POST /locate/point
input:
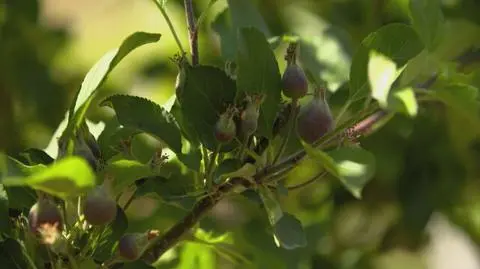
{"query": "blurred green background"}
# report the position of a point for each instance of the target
(421, 210)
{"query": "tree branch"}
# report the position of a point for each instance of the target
(192, 31)
(170, 238)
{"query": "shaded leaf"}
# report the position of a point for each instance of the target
(272, 206)
(4, 218)
(225, 167)
(461, 98)
(35, 156)
(114, 231)
(239, 14)
(14, 255)
(398, 42)
(144, 115)
(258, 73)
(139, 264)
(288, 232)
(66, 178)
(207, 93)
(125, 172)
(428, 21)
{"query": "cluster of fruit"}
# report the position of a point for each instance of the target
(314, 119)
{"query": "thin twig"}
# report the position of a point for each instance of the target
(192, 31)
(308, 182)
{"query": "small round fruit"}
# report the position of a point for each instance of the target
(225, 128)
(99, 207)
(294, 82)
(44, 212)
(128, 247)
(314, 120)
(249, 116)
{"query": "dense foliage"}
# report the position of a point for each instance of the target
(322, 136)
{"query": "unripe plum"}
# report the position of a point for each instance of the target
(99, 207)
(294, 82)
(315, 119)
(44, 212)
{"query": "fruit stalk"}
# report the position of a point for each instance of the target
(291, 126)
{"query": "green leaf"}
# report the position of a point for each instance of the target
(322, 157)
(462, 99)
(111, 141)
(403, 101)
(125, 172)
(4, 217)
(95, 78)
(24, 197)
(257, 73)
(13, 255)
(245, 14)
(228, 41)
(35, 156)
(186, 127)
(196, 256)
(139, 264)
(114, 232)
(323, 48)
(225, 167)
(398, 42)
(239, 14)
(66, 178)
(382, 72)
(288, 233)
(272, 206)
(353, 166)
(206, 94)
(428, 21)
(145, 115)
(246, 171)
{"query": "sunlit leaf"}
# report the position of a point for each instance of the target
(403, 101)
(353, 166)
(288, 232)
(382, 72)
(95, 78)
(66, 178)
(258, 73)
(324, 50)
(397, 42)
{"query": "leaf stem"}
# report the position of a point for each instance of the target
(291, 126)
(170, 25)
